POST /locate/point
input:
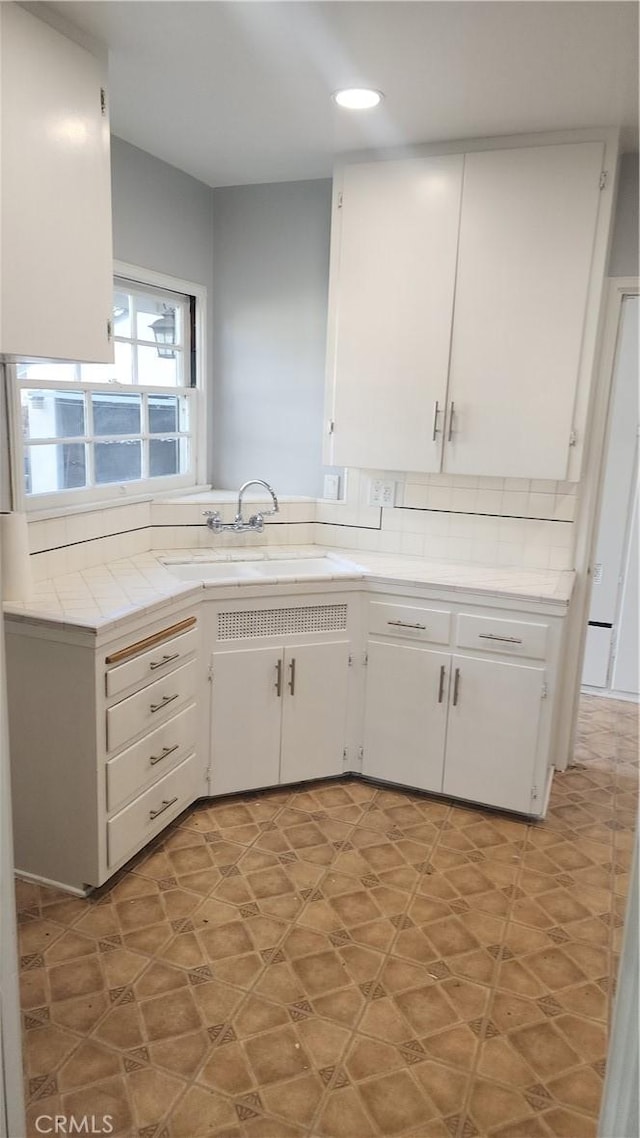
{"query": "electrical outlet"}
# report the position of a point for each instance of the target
(331, 487)
(382, 493)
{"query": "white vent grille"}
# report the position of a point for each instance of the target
(281, 622)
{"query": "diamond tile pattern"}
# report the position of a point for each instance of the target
(344, 960)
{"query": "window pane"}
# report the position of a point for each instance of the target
(168, 456)
(158, 319)
(121, 370)
(167, 414)
(55, 466)
(157, 371)
(164, 457)
(60, 373)
(118, 461)
(51, 414)
(116, 414)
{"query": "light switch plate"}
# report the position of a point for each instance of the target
(382, 493)
(331, 487)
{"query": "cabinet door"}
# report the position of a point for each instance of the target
(314, 714)
(405, 714)
(57, 271)
(527, 232)
(246, 713)
(492, 735)
(392, 302)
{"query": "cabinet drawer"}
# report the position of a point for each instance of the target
(153, 705)
(166, 653)
(150, 812)
(508, 637)
(151, 757)
(413, 621)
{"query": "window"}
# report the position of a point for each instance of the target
(90, 430)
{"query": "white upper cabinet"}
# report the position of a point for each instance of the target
(56, 275)
(394, 261)
(527, 233)
(463, 307)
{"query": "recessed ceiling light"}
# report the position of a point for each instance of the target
(357, 98)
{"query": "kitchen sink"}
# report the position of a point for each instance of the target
(263, 569)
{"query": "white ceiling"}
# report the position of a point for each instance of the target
(237, 92)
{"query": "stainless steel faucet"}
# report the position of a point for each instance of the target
(238, 525)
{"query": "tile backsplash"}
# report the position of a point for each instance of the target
(452, 518)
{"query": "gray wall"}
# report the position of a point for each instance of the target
(271, 252)
(623, 258)
(162, 220)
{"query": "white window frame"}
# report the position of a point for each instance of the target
(109, 493)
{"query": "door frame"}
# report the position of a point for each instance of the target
(589, 505)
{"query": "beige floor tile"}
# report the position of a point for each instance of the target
(344, 961)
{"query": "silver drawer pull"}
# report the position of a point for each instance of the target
(456, 687)
(405, 624)
(164, 702)
(502, 639)
(165, 806)
(165, 660)
(153, 759)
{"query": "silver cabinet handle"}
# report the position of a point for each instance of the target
(153, 759)
(436, 412)
(164, 702)
(456, 686)
(278, 684)
(441, 684)
(166, 803)
(502, 639)
(406, 624)
(292, 675)
(165, 660)
(451, 413)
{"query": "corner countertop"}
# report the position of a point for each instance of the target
(101, 599)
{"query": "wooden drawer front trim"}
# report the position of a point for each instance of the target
(151, 706)
(411, 621)
(151, 811)
(148, 666)
(151, 758)
(508, 637)
(150, 641)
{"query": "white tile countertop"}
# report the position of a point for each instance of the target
(102, 598)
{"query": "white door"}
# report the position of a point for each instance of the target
(56, 284)
(392, 304)
(405, 714)
(492, 734)
(625, 676)
(246, 711)
(527, 230)
(314, 714)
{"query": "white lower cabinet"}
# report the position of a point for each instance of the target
(246, 717)
(114, 752)
(278, 715)
(495, 711)
(406, 714)
(469, 725)
(114, 735)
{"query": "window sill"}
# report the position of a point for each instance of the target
(35, 515)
